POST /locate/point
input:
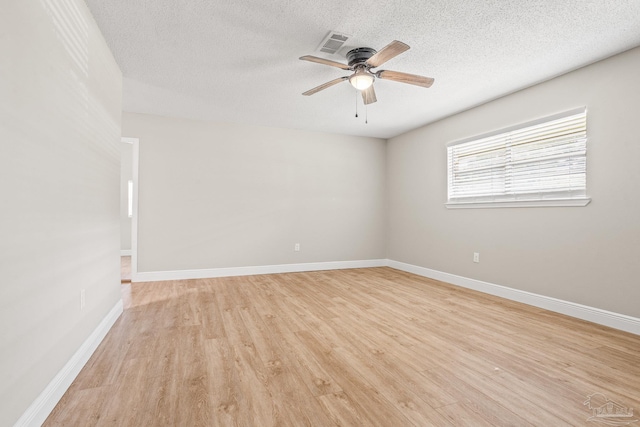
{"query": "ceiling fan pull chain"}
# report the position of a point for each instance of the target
(366, 114)
(357, 103)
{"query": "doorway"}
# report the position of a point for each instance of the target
(128, 208)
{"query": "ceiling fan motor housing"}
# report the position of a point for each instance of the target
(359, 55)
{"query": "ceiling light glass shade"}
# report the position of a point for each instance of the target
(361, 80)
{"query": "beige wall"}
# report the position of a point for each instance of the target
(126, 174)
(585, 255)
(60, 108)
(217, 195)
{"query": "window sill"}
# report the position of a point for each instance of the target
(520, 204)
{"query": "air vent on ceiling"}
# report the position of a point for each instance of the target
(333, 42)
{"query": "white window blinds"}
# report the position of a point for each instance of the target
(542, 160)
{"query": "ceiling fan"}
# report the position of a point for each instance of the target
(361, 61)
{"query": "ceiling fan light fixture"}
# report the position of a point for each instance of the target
(361, 79)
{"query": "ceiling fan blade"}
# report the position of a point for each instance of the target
(325, 85)
(411, 79)
(391, 50)
(369, 95)
(325, 62)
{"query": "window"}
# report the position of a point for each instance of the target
(541, 163)
(130, 198)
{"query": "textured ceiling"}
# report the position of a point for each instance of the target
(237, 61)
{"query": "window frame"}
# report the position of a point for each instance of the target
(130, 198)
(506, 199)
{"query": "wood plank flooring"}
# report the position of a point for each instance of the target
(125, 269)
(366, 347)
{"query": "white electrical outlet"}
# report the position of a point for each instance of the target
(82, 300)
(296, 247)
(476, 257)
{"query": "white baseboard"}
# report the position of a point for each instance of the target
(125, 252)
(591, 314)
(154, 276)
(37, 413)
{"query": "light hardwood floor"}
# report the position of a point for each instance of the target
(367, 347)
(125, 269)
